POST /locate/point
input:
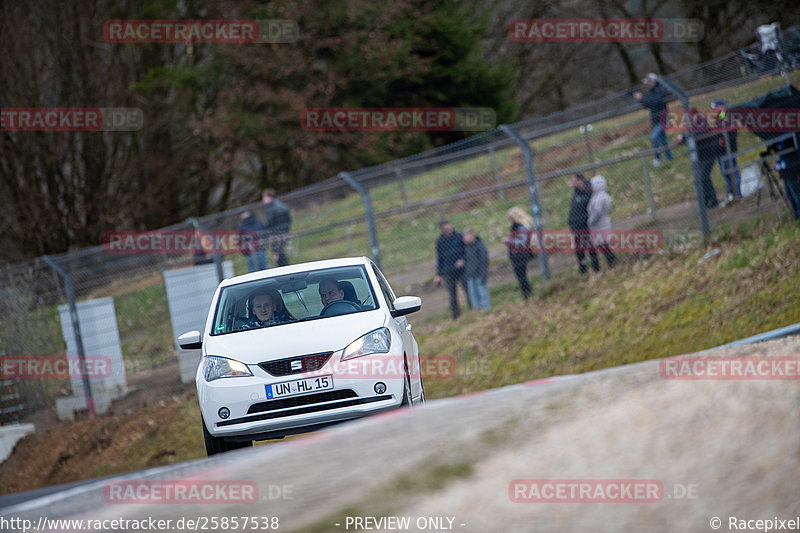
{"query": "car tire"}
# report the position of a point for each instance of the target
(215, 445)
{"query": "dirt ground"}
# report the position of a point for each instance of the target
(86, 447)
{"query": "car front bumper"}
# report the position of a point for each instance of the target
(253, 414)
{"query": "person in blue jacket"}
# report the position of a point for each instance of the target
(450, 262)
(251, 230)
(656, 101)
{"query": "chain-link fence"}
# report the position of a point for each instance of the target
(131, 306)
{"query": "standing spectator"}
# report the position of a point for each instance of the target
(476, 270)
(788, 166)
(709, 149)
(728, 167)
(250, 231)
(450, 264)
(656, 101)
(579, 222)
(519, 247)
(599, 211)
(279, 222)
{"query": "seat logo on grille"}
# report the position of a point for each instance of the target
(297, 365)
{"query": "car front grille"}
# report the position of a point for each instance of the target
(297, 401)
(308, 363)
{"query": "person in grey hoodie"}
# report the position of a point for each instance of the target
(476, 270)
(599, 211)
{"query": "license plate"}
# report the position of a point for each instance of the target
(299, 386)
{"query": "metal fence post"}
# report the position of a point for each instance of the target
(76, 328)
(369, 214)
(691, 144)
(501, 194)
(585, 130)
(348, 233)
(534, 197)
(648, 189)
(403, 196)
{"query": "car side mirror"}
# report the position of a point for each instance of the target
(405, 305)
(190, 341)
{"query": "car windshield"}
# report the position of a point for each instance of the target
(292, 298)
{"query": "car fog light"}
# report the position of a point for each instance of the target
(380, 387)
(224, 412)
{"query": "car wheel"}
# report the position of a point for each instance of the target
(421, 393)
(215, 445)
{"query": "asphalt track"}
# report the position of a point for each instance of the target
(719, 448)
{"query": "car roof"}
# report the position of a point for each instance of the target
(300, 267)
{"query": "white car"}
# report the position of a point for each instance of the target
(292, 349)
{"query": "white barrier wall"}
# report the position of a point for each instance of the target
(100, 335)
(189, 293)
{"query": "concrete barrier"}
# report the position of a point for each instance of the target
(10, 435)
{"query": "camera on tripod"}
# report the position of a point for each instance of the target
(773, 148)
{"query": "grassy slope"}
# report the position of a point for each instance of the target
(142, 306)
(668, 305)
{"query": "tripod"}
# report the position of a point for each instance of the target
(772, 185)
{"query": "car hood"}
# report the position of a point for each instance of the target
(288, 340)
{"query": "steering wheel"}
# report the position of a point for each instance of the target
(339, 307)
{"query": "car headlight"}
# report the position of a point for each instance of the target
(215, 367)
(376, 341)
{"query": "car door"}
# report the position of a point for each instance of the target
(403, 328)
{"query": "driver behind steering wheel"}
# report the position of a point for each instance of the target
(330, 291)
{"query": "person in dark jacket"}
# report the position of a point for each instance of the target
(476, 270)
(519, 247)
(279, 223)
(709, 148)
(250, 231)
(728, 167)
(450, 264)
(578, 222)
(788, 166)
(656, 101)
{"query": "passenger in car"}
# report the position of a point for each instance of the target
(267, 309)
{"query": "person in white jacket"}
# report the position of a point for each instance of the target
(599, 210)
